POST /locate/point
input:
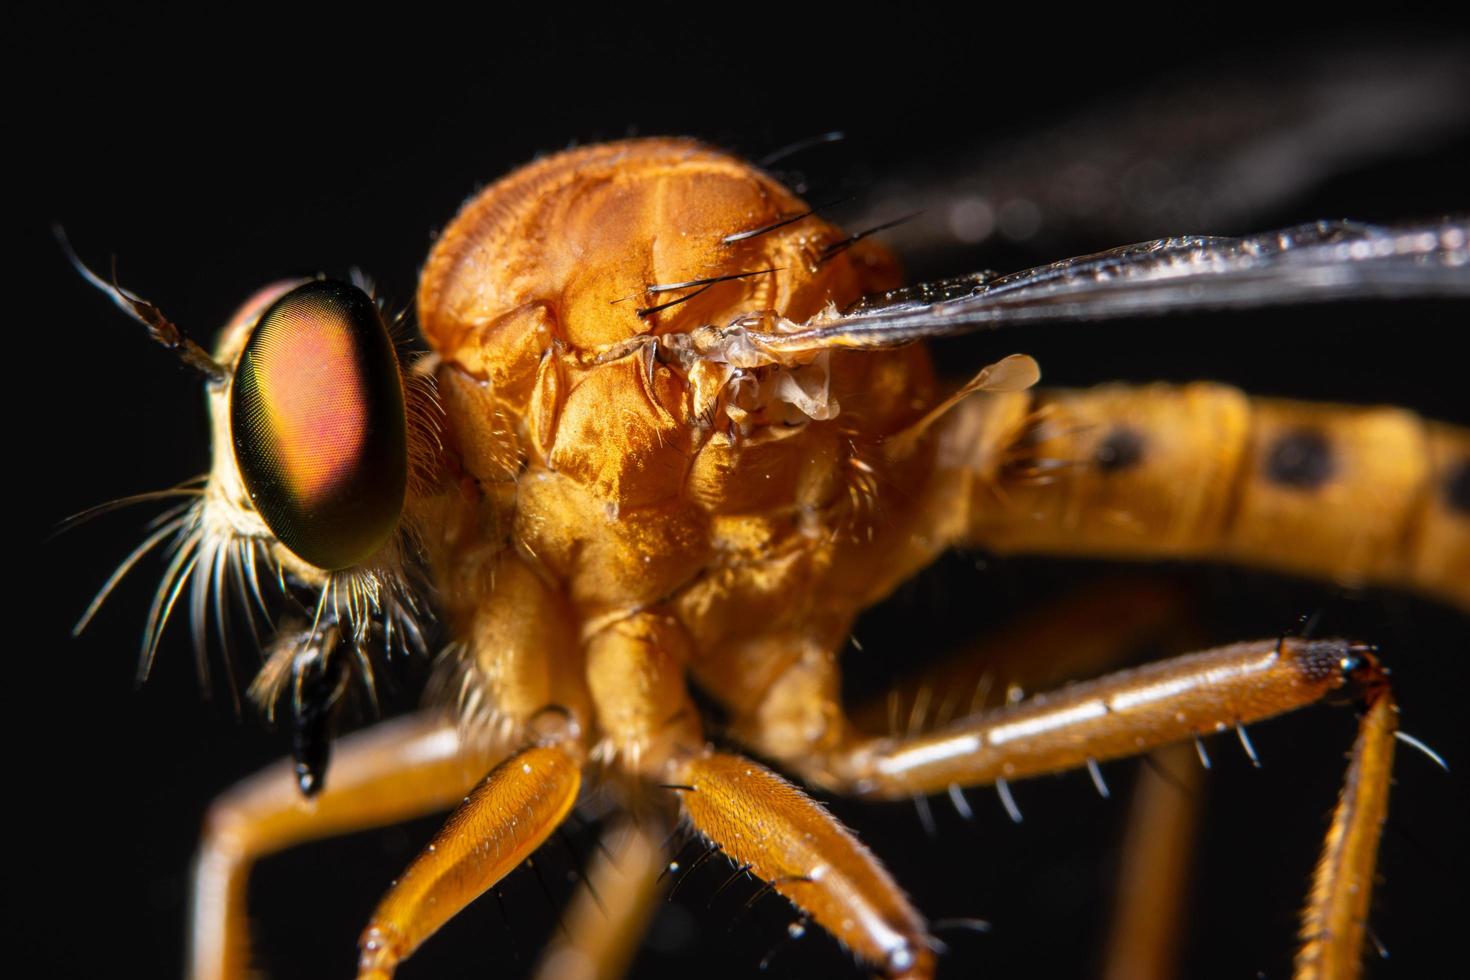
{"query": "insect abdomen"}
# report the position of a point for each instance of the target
(1346, 493)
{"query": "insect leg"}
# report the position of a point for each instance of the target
(498, 826)
(1153, 887)
(607, 918)
(1336, 917)
(1121, 714)
(392, 772)
(517, 653)
(1159, 704)
(787, 839)
(636, 677)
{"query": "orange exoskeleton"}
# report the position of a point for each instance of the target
(683, 435)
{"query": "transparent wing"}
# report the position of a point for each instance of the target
(1321, 262)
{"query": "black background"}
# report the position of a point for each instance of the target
(213, 154)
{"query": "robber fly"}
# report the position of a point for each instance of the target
(677, 431)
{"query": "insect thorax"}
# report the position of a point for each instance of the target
(598, 440)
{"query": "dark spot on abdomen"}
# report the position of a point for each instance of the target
(1121, 449)
(1300, 458)
(1457, 487)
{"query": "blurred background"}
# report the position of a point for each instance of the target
(212, 153)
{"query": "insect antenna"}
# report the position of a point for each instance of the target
(160, 328)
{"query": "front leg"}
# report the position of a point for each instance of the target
(392, 772)
(497, 827)
(649, 729)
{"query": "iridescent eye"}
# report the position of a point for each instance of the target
(318, 424)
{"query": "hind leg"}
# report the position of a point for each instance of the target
(1133, 711)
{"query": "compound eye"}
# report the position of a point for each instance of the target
(318, 424)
